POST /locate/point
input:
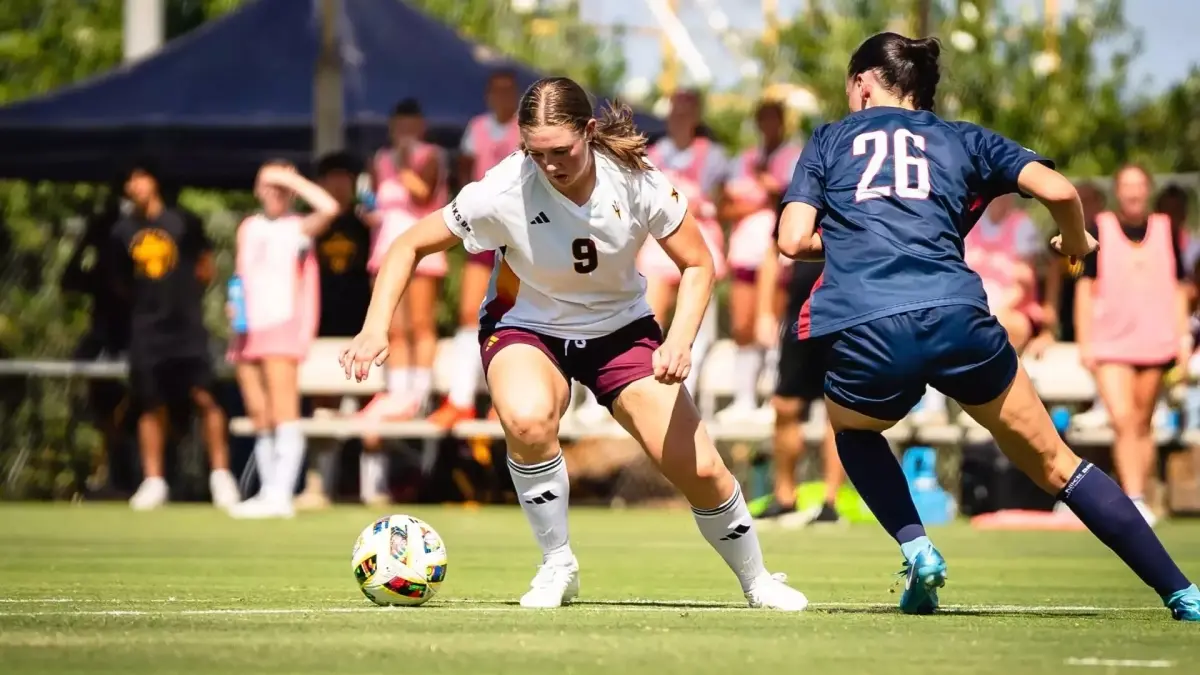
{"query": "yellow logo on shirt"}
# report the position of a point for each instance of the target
(154, 253)
(337, 252)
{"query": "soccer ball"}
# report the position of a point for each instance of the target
(399, 561)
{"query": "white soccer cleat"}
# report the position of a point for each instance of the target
(150, 495)
(224, 489)
(773, 593)
(1147, 513)
(554, 585)
(260, 507)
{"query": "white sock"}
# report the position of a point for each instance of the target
(544, 491)
(372, 474)
(704, 340)
(422, 383)
(289, 453)
(747, 364)
(398, 380)
(465, 381)
(264, 458)
(730, 529)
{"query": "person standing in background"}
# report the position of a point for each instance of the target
(166, 264)
(342, 252)
(410, 183)
(761, 173)
(489, 138)
(1131, 320)
(278, 271)
(1059, 293)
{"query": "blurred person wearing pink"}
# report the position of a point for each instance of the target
(760, 176)
(279, 274)
(489, 138)
(410, 182)
(697, 168)
(1002, 249)
(1131, 323)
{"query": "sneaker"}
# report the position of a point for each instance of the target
(150, 495)
(923, 575)
(224, 489)
(311, 501)
(261, 507)
(386, 406)
(554, 585)
(776, 510)
(826, 514)
(1185, 604)
(738, 413)
(591, 414)
(773, 593)
(448, 415)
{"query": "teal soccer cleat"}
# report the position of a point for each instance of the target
(1185, 604)
(923, 575)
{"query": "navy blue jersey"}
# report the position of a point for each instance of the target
(896, 191)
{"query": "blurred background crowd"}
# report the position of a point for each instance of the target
(142, 139)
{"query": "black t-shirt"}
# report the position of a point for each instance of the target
(342, 254)
(1134, 233)
(159, 256)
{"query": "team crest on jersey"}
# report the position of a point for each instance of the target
(674, 194)
(617, 209)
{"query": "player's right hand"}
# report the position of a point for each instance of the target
(1074, 248)
(366, 349)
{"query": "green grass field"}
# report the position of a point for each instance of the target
(98, 589)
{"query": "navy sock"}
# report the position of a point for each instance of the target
(1112, 517)
(875, 473)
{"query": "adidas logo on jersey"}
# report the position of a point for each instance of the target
(540, 220)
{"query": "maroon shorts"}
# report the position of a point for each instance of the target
(606, 365)
(487, 258)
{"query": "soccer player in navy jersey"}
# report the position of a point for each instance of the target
(886, 196)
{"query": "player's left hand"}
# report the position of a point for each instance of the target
(672, 362)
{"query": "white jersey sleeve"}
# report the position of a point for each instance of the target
(657, 203)
(471, 217)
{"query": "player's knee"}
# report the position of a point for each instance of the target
(1127, 421)
(787, 410)
(532, 431)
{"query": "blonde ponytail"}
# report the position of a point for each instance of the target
(618, 137)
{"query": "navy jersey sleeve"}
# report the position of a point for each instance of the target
(998, 159)
(808, 180)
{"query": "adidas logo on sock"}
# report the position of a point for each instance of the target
(548, 496)
(541, 219)
(736, 533)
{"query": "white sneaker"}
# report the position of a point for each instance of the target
(150, 495)
(1146, 511)
(554, 585)
(773, 593)
(591, 414)
(260, 507)
(738, 412)
(224, 489)
(1096, 418)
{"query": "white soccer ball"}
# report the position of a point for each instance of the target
(399, 561)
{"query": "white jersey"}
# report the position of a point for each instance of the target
(564, 270)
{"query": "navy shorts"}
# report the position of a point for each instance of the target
(880, 368)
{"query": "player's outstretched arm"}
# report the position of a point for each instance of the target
(687, 248)
(429, 235)
(1061, 199)
(798, 236)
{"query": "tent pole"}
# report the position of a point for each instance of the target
(143, 25)
(328, 122)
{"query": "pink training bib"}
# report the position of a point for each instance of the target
(489, 151)
(400, 212)
(1008, 279)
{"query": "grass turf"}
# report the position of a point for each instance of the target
(99, 589)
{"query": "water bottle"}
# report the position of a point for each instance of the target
(1061, 415)
(237, 300)
(366, 192)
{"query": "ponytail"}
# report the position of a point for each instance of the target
(618, 137)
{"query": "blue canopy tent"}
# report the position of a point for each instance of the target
(214, 104)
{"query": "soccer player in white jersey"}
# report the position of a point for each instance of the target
(568, 216)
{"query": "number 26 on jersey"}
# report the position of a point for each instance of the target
(911, 173)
